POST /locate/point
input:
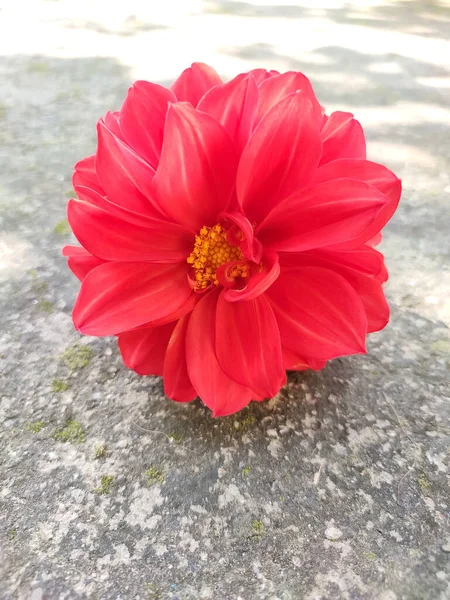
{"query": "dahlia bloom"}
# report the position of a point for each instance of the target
(227, 234)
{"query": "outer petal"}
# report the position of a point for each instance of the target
(194, 82)
(177, 384)
(326, 214)
(142, 119)
(342, 137)
(124, 176)
(116, 297)
(196, 173)
(86, 175)
(233, 105)
(292, 362)
(94, 198)
(111, 238)
(274, 89)
(248, 345)
(368, 287)
(261, 75)
(319, 313)
(80, 262)
(278, 160)
(220, 393)
(144, 350)
(373, 173)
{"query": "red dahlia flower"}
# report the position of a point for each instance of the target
(227, 234)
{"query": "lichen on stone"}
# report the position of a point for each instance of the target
(257, 528)
(246, 470)
(59, 385)
(106, 483)
(62, 227)
(155, 475)
(72, 432)
(99, 450)
(36, 426)
(77, 356)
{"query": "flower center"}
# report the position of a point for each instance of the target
(212, 250)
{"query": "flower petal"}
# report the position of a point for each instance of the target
(261, 75)
(194, 82)
(248, 345)
(111, 238)
(116, 297)
(92, 197)
(259, 282)
(124, 176)
(373, 173)
(142, 119)
(220, 393)
(319, 313)
(144, 350)
(177, 385)
(367, 286)
(196, 173)
(274, 89)
(292, 362)
(342, 137)
(325, 214)
(233, 105)
(80, 262)
(85, 175)
(278, 161)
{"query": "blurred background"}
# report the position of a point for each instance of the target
(337, 488)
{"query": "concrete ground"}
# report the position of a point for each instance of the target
(338, 488)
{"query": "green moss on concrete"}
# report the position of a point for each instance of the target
(45, 306)
(59, 385)
(246, 470)
(423, 483)
(176, 437)
(106, 483)
(72, 432)
(36, 427)
(62, 227)
(12, 534)
(257, 528)
(99, 451)
(77, 356)
(155, 475)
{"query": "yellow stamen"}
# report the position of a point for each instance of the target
(211, 250)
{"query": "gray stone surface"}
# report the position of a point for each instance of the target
(337, 488)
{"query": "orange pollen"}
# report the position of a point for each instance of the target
(211, 250)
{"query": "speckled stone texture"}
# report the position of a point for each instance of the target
(337, 488)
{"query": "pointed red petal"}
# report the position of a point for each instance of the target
(259, 282)
(342, 137)
(278, 160)
(86, 175)
(233, 105)
(144, 350)
(319, 313)
(111, 238)
(261, 75)
(196, 173)
(80, 262)
(177, 384)
(220, 393)
(194, 82)
(248, 345)
(142, 119)
(367, 285)
(276, 88)
(116, 297)
(124, 176)
(292, 362)
(326, 214)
